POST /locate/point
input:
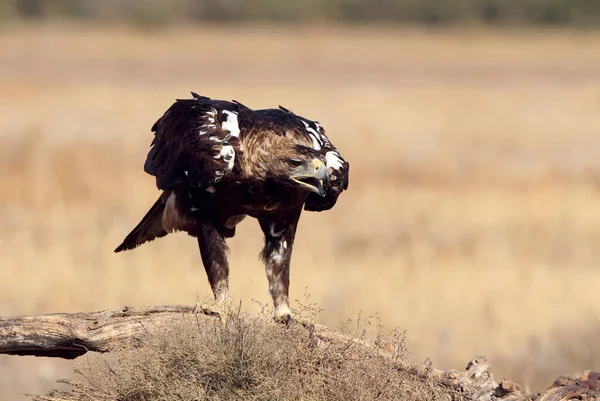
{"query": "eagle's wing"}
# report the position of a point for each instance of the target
(195, 144)
(338, 168)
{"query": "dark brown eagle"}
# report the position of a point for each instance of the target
(217, 162)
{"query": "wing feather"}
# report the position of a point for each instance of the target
(195, 144)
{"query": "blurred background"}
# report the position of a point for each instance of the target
(472, 126)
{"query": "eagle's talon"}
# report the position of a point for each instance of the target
(211, 310)
(218, 309)
(287, 319)
(307, 323)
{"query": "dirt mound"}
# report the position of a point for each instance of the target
(253, 358)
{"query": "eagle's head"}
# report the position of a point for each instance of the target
(306, 170)
(291, 165)
(278, 149)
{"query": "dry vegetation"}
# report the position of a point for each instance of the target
(472, 219)
(248, 359)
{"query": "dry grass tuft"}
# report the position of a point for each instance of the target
(251, 358)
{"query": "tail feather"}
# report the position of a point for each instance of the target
(148, 229)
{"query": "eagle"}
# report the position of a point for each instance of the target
(217, 162)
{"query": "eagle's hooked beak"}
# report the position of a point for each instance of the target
(315, 179)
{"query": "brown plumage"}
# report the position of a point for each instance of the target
(217, 162)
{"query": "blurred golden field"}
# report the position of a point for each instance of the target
(473, 214)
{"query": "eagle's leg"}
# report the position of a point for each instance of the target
(213, 251)
(279, 231)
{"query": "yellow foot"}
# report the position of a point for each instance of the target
(287, 319)
(221, 309)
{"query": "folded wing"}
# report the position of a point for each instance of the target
(195, 144)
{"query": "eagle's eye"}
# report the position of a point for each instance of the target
(294, 163)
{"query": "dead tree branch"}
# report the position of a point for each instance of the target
(70, 335)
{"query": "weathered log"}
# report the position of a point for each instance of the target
(70, 335)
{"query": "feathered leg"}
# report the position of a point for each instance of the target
(213, 250)
(279, 231)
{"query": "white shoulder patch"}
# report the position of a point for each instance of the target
(333, 160)
(314, 136)
(227, 154)
(323, 137)
(315, 142)
(209, 122)
(231, 123)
